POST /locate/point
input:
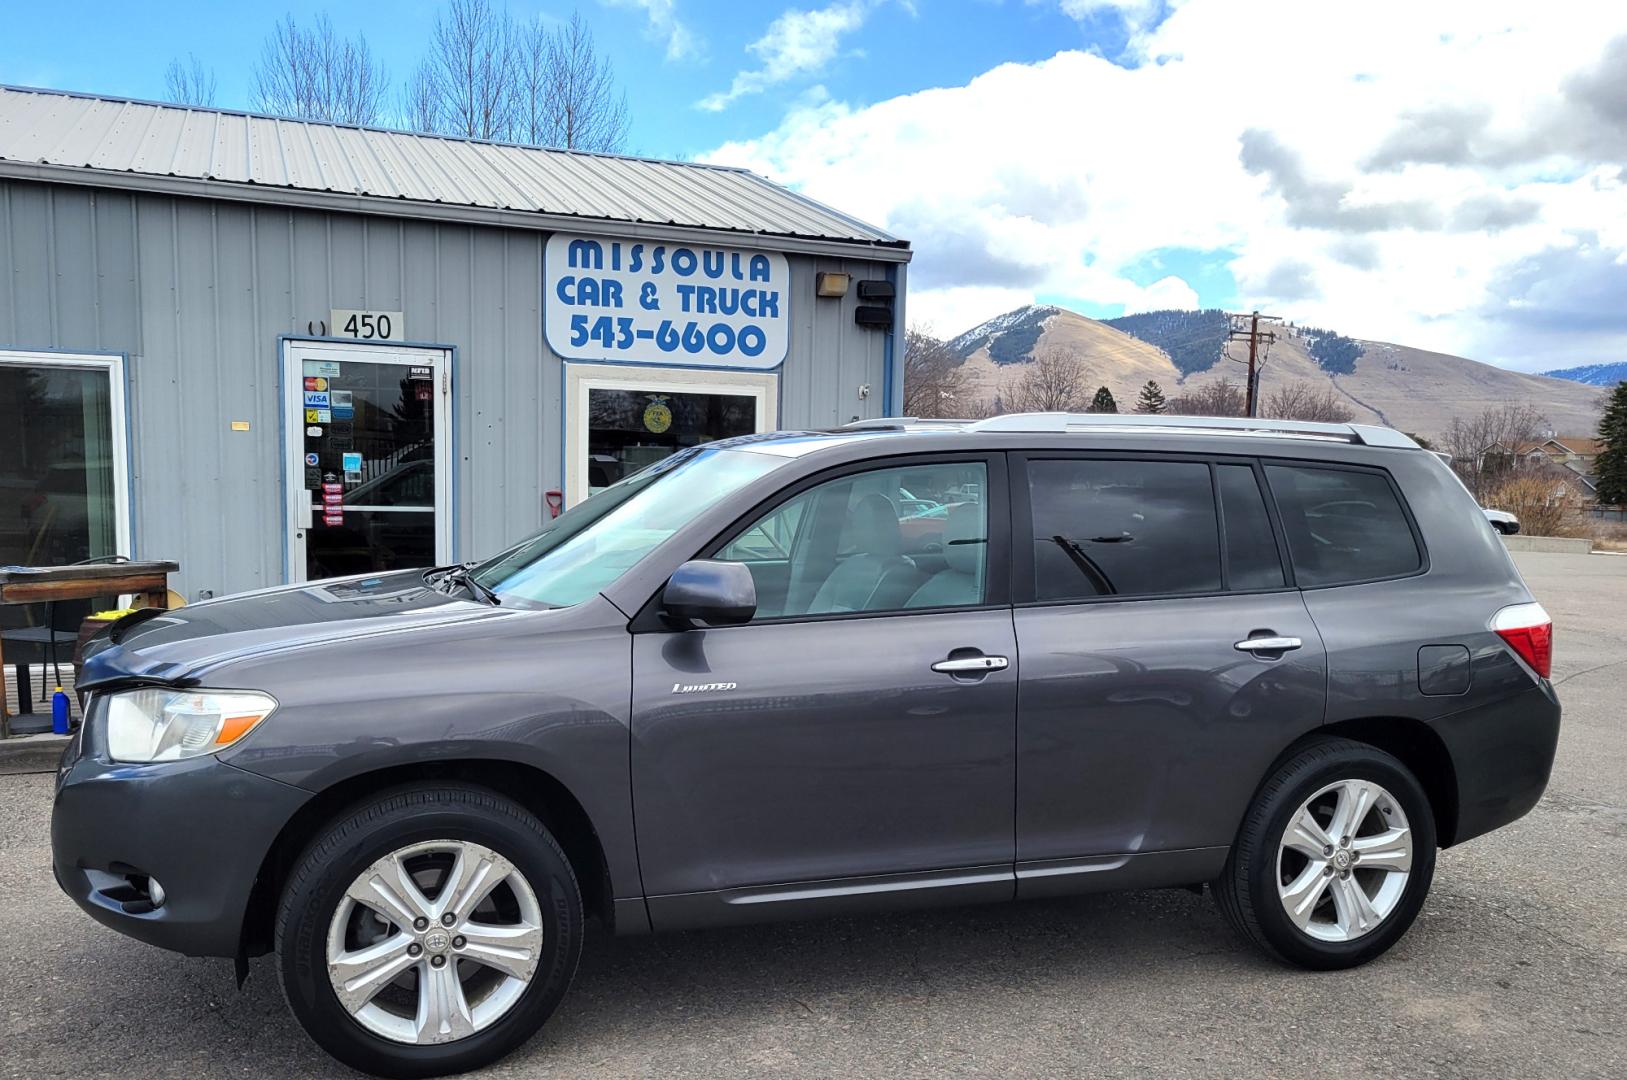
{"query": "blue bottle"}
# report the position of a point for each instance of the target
(59, 712)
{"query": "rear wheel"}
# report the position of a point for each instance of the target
(429, 932)
(1334, 859)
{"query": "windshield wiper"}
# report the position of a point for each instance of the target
(1087, 566)
(460, 575)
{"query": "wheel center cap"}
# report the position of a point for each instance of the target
(1341, 859)
(437, 941)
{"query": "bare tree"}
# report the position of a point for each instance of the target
(1053, 381)
(1303, 401)
(189, 82)
(583, 109)
(1221, 397)
(316, 75)
(934, 382)
(1486, 447)
(466, 83)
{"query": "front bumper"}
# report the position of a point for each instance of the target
(200, 828)
(1502, 754)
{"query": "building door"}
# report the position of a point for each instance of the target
(369, 458)
(620, 418)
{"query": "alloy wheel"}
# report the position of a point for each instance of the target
(434, 942)
(1344, 860)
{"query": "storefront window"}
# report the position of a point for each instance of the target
(629, 429)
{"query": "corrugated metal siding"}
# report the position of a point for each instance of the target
(38, 127)
(196, 292)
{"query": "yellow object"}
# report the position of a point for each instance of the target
(240, 425)
(109, 616)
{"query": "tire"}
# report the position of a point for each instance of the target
(434, 833)
(1334, 930)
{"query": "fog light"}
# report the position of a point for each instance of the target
(155, 892)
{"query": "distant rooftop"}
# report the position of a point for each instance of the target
(55, 135)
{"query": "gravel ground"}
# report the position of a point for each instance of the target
(1517, 967)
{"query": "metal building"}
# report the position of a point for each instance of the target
(276, 350)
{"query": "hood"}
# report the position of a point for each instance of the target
(177, 646)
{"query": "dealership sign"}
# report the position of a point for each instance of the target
(658, 303)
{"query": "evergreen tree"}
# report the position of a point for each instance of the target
(1611, 464)
(1103, 401)
(1152, 398)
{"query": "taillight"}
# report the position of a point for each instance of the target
(1529, 632)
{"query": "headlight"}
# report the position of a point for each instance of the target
(154, 724)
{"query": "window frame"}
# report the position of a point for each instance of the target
(997, 571)
(113, 365)
(1332, 466)
(1022, 525)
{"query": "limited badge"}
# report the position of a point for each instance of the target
(657, 416)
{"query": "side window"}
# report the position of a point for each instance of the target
(1252, 561)
(1122, 528)
(890, 539)
(1342, 525)
(770, 539)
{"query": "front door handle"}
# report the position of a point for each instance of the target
(1268, 644)
(971, 665)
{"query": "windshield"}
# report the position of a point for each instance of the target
(592, 544)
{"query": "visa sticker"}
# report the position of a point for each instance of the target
(316, 399)
(311, 459)
(352, 462)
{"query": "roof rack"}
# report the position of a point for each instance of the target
(1156, 424)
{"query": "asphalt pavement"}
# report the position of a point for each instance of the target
(1516, 968)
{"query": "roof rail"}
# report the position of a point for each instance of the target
(1153, 424)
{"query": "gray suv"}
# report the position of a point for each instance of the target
(906, 663)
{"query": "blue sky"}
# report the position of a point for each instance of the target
(1446, 175)
(122, 49)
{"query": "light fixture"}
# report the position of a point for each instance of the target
(831, 286)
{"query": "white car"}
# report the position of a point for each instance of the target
(1501, 520)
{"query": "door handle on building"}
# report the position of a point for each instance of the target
(1268, 644)
(971, 665)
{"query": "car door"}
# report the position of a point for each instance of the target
(1166, 662)
(854, 743)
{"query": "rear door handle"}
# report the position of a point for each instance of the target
(1268, 644)
(971, 665)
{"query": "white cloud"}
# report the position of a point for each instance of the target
(663, 24)
(1400, 176)
(796, 43)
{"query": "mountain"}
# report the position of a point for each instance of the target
(1592, 374)
(1381, 382)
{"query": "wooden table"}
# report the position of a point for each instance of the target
(43, 584)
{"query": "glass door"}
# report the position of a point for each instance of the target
(369, 459)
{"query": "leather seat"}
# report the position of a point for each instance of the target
(877, 577)
(964, 543)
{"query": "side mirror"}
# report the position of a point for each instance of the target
(704, 591)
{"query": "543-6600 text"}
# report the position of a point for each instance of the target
(620, 332)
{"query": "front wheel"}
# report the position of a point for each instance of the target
(429, 931)
(1334, 859)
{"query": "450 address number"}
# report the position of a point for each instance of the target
(619, 332)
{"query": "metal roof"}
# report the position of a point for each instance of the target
(49, 134)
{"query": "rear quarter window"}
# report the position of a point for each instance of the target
(1343, 525)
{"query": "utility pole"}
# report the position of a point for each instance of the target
(1247, 328)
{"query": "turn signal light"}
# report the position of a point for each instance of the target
(1529, 632)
